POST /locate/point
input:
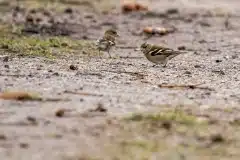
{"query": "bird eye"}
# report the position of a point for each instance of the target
(144, 45)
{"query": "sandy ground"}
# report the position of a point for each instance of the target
(125, 84)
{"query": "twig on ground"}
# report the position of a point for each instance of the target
(83, 93)
(191, 86)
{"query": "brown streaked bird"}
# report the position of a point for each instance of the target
(158, 54)
(106, 42)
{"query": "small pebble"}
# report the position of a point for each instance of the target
(217, 138)
(38, 20)
(6, 66)
(172, 11)
(33, 11)
(81, 99)
(24, 145)
(202, 41)
(55, 74)
(31, 119)
(3, 137)
(68, 10)
(234, 56)
(197, 66)
(167, 125)
(181, 48)
(5, 59)
(187, 72)
(219, 72)
(73, 67)
(204, 24)
(60, 113)
(218, 60)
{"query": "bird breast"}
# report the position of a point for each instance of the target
(158, 59)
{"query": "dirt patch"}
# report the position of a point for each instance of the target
(95, 107)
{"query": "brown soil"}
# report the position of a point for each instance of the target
(92, 107)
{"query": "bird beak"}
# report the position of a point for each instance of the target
(137, 49)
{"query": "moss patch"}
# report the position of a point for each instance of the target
(175, 116)
(15, 43)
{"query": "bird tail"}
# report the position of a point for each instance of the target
(180, 52)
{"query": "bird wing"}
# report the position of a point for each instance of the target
(103, 41)
(156, 50)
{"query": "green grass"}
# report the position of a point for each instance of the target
(50, 47)
(173, 116)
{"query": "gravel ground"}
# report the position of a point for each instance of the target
(123, 85)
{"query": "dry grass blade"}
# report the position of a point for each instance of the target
(25, 96)
(21, 96)
(83, 93)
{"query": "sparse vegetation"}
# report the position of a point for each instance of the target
(74, 115)
(35, 45)
(173, 116)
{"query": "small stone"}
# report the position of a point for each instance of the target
(33, 11)
(188, 19)
(6, 66)
(60, 113)
(204, 24)
(85, 37)
(64, 44)
(32, 120)
(187, 72)
(24, 145)
(219, 72)
(88, 16)
(18, 9)
(46, 13)
(55, 74)
(197, 66)
(99, 108)
(167, 125)
(3, 137)
(73, 67)
(68, 10)
(29, 19)
(172, 11)
(5, 59)
(234, 56)
(4, 46)
(196, 53)
(212, 50)
(217, 138)
(218, 60)
(202, 41)
(81, 99)
(181, 48)
(38, 20)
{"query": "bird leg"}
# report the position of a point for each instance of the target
(99, 53)
(165, 64)
(109, 54)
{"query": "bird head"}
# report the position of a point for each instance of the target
(111, 32)
(144, 46)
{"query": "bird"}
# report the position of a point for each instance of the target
(158, 54)
(107, 41)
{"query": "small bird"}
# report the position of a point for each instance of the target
(158, 54)
(106, 42)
